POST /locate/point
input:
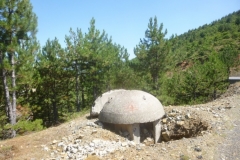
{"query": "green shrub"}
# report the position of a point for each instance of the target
(26, 126)
(226, 35)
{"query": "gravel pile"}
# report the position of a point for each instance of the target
(82, 143)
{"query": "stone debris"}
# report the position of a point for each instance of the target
(54, 141)
(188, 116)
(94, 131)
(164, 120)
(199, 157)
(198, 149)
(92, 124)
(81, 149)
(180, 123)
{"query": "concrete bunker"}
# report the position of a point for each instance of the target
(101, 100)
(130, 108)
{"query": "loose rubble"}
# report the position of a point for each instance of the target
(76, 147)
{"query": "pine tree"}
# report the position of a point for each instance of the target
(152, 50)
(97, 46)
(18, 25)
(77, 60)
(51, 69)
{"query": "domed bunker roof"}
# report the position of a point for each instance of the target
(132, 106)
(101, 100)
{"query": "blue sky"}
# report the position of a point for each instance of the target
(126, 20)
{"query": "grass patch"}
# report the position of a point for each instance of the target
(184, 157)
(6, 152)
(6, 149)
(66, 117)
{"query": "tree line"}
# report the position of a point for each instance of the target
(44, 86)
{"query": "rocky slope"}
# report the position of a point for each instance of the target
(188, 132)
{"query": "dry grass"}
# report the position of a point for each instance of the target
(30, 146)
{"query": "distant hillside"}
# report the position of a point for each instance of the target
(198, 63)
(221, 36)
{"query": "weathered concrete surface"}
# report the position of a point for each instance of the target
(157, 130)
(131, 106)
(101, 100)
(135, 129)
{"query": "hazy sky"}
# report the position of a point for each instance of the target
(126, 20)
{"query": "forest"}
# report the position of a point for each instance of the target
(46, 86)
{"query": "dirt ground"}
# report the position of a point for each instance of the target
(219, 118)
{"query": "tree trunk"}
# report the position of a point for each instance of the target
(95, 88)
(77, 88)
(14, 102)
(6, 94)
(55, 110)
(54, 104)
(83, 99)
(10, 107)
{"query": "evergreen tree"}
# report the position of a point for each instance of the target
(92, 57)
(152, 50)
(17, 26)
(77, 60)
(51, 69)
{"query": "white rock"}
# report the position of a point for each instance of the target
(96, 141)
(110, 150)
(52, 154)
(86, 146)
(188, 116)
(91, 124)
(75, 145)
(45, 148)
(179, 118)
(164, 120)
(90, 149)
(92, 144)
(149, 139)
(124, 144)
(94, 131)
(74, 150)
(70, 155)
(180, 123)
(60, 144)
(102, 153)
(64, 148)
(54, 141)
(131, 143)
(77, 141)
(142, 145)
